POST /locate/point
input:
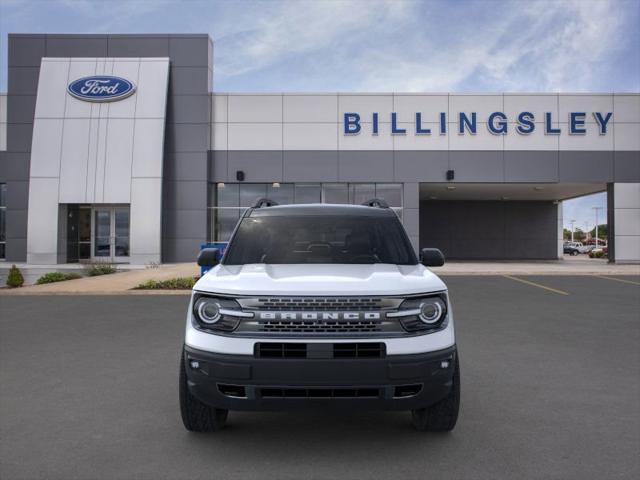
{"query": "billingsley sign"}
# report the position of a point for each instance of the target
(497, 123)
(101, 88)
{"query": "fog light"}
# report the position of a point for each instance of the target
(444, 364)
(194, 364)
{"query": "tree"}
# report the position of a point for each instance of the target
(578, 235)
(603, 231)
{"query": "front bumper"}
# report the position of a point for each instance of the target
(244, 382)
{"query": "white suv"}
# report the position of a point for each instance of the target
(319, 305)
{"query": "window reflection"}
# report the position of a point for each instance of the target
(228, 201)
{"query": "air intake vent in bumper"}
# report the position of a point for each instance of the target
(320, 350)
(302, 392)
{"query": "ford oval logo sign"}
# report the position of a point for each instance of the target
(101, 88)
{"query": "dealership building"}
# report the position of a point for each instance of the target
(117, 148)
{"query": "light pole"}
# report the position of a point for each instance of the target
(596, 209)
(572, 228)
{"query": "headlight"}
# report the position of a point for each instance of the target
(431, 310)
(426, 313)
(216, 313)
(208, 310)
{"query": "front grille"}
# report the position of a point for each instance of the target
(319, 326)
(320, 350)
(302, 392)
(319, 304)
(358, 350)
(281, 350)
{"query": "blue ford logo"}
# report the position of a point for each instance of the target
(101, 88)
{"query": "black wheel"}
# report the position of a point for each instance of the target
(442, 416)
(198, 416)
(574, 253)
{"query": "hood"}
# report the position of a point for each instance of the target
(319, 279)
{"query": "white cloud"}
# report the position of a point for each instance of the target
(412, 46)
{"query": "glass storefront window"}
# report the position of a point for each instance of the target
(335, 193)
(307, 193)
(226, 194)
(228, 201)
(252, 192)
(361, 192)
(282, 193)
(3, 216)
(390, 192)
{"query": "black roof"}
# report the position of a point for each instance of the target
(320, 209)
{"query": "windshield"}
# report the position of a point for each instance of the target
(343, 239)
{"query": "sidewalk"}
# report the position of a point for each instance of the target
(580, 265)
(115, 283)
(124, 282)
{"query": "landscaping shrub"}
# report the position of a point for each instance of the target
(52, 277)
(15, 278)
(596, 254)
(179, 283)
(96, 269)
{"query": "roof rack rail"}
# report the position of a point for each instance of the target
(376, 202)
(264, 202)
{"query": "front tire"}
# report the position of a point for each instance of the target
(442, 416)
(196, 415)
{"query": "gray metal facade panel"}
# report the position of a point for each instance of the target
(15, 167)
(19, 138)
(310, 166)
(188, 109)
(180, 249)
(626, 167)
(184, 166)
(586, 166)
(531, 166)
(16, 250)
(23, 80)
(218, 164)
(185, 195)
(26, 50)
(22, 108)
(365, 166)
(138, 46)
(16, 224)
(490, 230)
(187, 137)
(477, 166)
(77, 46)
(189, 51)
(185, 224)
(427, 166)
(258, 166)
(188, 80)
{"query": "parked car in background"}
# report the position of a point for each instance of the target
(586, 248)
(572, 248)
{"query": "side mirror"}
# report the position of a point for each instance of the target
(431, 257)
(208, 257)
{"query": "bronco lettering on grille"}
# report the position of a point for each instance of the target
(319, 315)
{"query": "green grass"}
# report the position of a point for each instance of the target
(52, 277)
(179, 283)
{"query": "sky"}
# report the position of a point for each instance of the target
(378, 45)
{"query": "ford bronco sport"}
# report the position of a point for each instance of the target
(319, 305)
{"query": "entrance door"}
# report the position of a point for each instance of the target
(111, 234)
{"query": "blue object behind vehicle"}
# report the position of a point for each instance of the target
(221, 246)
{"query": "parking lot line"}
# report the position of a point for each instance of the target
(618, 279)
(534, 284)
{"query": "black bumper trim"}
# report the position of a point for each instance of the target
(336, 374)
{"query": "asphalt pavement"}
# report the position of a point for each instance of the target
(550, 389)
